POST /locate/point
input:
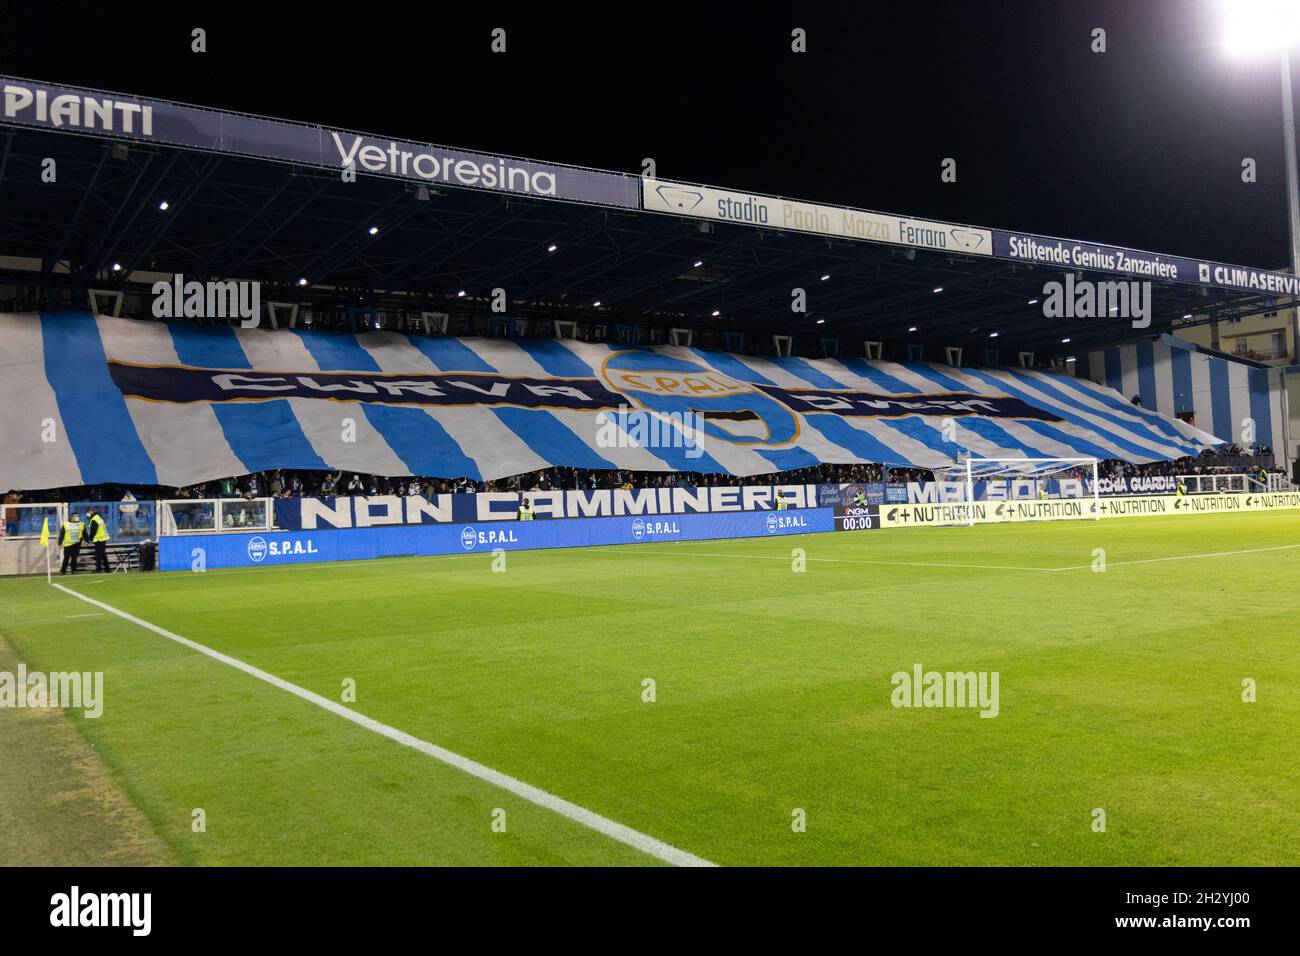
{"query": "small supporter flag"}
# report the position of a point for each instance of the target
(45, 532)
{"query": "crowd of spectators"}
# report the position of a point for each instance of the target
(290, 483)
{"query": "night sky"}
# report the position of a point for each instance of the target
(1139, 146)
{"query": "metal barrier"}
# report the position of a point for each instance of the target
(1230, 483)
(214, 515)
(25, 521)
(130, 521)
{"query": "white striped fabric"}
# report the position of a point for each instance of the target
(151, 403)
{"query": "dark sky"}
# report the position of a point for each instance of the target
(1139, 146)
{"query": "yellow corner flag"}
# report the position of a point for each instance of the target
(45, 532)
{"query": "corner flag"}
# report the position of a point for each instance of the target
(45, 543)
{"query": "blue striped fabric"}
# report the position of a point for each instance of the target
(478, 405)
(1235, 397)
(1119, 437)
(1149, 420)
(919, 430)
(552, 355)
(1260, 407)
(551, 439)
(94, 413)
(805, 370)
(877, 376)
(864, 445)
(263, 435)
(1180, 363)
(1221, 400)
(416, 437)
(1147, 375)
(450, 355)
(730, 365)
(1114, 371)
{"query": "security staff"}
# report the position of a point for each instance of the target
(781, 503)
(1263, 477)
(525, 511)
(70, 540)
(859, 499)
(97, 532)
(1182, 489)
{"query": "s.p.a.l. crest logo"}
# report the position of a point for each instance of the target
(731, 410)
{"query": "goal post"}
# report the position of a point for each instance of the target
(1038, 469)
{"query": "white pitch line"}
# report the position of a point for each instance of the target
(1183, 557)
(781, 557)
(976, 567)
(91, 614)
(593, 821)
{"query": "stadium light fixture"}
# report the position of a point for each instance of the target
(552, 247)
(1252, 27)
(938, 289)
(826, 276)
(1033, 302)
(911, 328)
(716, 313)
(1187, 315)
(993, 335)
(460, 294)
(596, 304)
(302, 280)
(698, 263)
(1070, 359)
(1065, 341)
(373, 230)
(117, 267)
(164, 205)
(1262, 27)
(821, 321)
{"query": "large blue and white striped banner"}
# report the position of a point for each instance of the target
(87, 399)
(1241, 402)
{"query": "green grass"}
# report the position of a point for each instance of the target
(1119, 690)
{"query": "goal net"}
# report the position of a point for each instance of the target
(1020, 479)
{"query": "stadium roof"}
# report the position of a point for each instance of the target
(150, 188)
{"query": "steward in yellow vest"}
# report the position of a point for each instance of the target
(70, 533)
(97, 532)
(525, 511)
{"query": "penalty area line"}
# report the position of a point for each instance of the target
(525, 791)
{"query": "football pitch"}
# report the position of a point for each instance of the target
(707, 697)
